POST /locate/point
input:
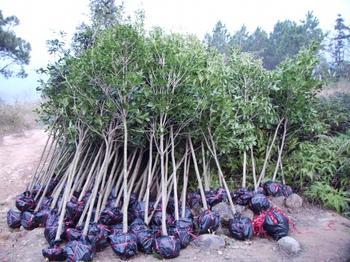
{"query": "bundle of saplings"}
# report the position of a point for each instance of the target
(134, 122)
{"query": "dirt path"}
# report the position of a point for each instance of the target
(323, 234)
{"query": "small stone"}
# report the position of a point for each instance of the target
(209, 241)
(289, 245)
(248, 213)
(240, 208)
(223, 231)
(278, 201)
(224, 211)
(294, 201)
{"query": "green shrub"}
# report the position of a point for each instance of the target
(328, 196)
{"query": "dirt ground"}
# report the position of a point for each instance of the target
(323, 234)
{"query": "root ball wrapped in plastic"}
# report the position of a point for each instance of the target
(138, 225)
(51, 228)
(259, 203)
(183, 230)
(213, 197)
(124, 245)
(41, 216)
(55, 253)
(98, 236)
(145, 240)
(28, 221)
(241, 227)
(74, 209)
(276, 224)
(242, 196)
(72, 234)
(287, 190)
(13, 218)
(208, 221)
(79, 250)
(273, 189)
(25, 202)
(194, 199)
(167, 246)
(111, 216)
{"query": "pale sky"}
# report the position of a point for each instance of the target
(39, 19)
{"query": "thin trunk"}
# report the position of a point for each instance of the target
(244, 180)
(125, 175)
(200, 185)
(253, 168)
(174, 174)
(280, 149)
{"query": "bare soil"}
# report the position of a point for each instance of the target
(323, 234)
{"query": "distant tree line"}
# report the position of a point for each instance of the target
(286, 40)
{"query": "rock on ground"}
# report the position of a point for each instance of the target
(278, 201)
(294, 201)
(224, 211)
(248, 213)
(289, 245)
(209, 241)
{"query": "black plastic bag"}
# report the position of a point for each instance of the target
(259, 203)
(137, 225)
(28, 221)
(74, 209)
(286, 190)
(98, 236)
(25, 202)
(51, 228)
(124, 245)
(276, 224)
(208, 221)
(260, 190)
(72, 234)
(241, 228)
(138, 209)
(145, 240)
(188, 213)
(167, 246)
(157, 218)
(117, 229)
(156, 230)
(111, 216)
(194, 200)
(273, 189)
(183, 230)
(41, 216)
(213, 197)
(55, 253)
(222, 193)
(79, 250)
(242, 196)
(13, 218)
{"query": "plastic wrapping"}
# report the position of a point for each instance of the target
(276, 224)
(124, 245)
(242, 196)
(259, 203)
(51, 228)
(183, 230)
(25, 202)
(54, 253)
(41, 216)
(213, 197)
(194, 200)
(273, 189)
(111, 216)
(28, 221)
(286, 190)
(167, 246)
(145, 240)
(98, 236)
(79, 250)
(72, 234)
(116, 229)
(208, 221)
(74, 209)
(137, 225)
(13, 218)
(241, 227)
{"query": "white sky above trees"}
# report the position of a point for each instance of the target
(40, 19)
